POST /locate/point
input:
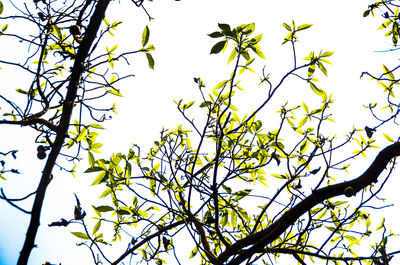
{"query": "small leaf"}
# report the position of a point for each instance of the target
(205, 104)
(221, 84)
(304, 26)
(327, 54)
(104, 208)
(258, 52)
(96, 227)
(233, 218)
(82, 135)
(93, 169)
(217, 48)
(323, 69)
(21, 91)
(91, 159)
(187, 105)
(80, 235)
(232, 55)
(224, 27)
(388, 137)
(97, 126)
(145, 36)
(1, 7)
(304, 146)
(150, 60)
(194, 252)
(216, 34)
(241, 194)
(287, 27)
(100, 178)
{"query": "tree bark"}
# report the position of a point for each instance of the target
(62, 128)
(256, 242)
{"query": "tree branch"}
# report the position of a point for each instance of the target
(77, 70)
(261, 239)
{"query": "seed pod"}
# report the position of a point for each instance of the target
(75, 30)
(348, 191)
(42, 16)
(41, 148)
(41, 155)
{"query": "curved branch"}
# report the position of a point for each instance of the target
(258, 241)
(325, 257)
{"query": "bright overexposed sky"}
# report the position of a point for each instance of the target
(179, 33)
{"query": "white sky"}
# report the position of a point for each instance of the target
(182, 52)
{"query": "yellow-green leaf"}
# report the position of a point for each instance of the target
(80, 235)
(388, 137)
(145, 36)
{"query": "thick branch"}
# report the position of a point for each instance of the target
(258, 241)
(77, 71)
(27, 122)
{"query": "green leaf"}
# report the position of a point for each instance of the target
(4, 28)
(224, 27)
(82, 135)
(150, 60)
(388, 73)
(1, 7)
(113, 48)
(97, 126)
(287, 27)
(115, 92)
(91, 159)
(326, 54)
(258, 52)
(304, 26)
(217, 48)
(104, 208)
(278, 176)
(232, 55)
(145, 36)
(21, 91)
(224, 219)
(302, 122)
(317, 90)
(221, 84)
(368, 222)
(256, 39)
(93, 169)
(57, 31)
(80, 235)
(323, 69)
(388, 137)
(233, 218)
(100, 178)
(96, 227)
(241, 194)
(366, 13)
(194, 252)
(216, 34)
(187, 105)
(304, 146)
(205, 104)
(352, 239)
